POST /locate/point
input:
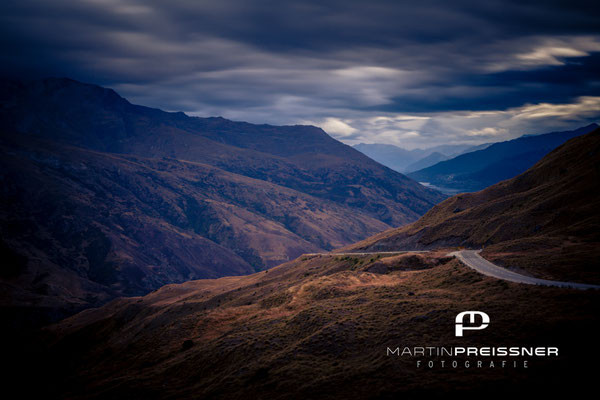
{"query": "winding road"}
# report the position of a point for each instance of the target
(472, 259)
(368, 253)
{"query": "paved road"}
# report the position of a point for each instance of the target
(373, 253)
(472, 259)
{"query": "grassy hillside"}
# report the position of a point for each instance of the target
(544, 221)
(319, 327)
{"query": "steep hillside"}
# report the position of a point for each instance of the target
(102, 198)
(303, 158)
(90, 226)
(545, 220)
(319, 327)
(479, 169)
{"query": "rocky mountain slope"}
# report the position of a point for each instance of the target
(299, 157)
(102, 198)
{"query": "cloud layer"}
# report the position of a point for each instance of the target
(409, 73)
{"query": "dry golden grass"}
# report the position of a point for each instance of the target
(318, 327)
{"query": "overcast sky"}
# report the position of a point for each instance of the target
(410, 73)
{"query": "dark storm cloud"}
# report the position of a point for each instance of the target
(337, 63)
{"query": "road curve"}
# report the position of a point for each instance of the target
(472, 259)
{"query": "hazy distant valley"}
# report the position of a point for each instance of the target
(455, 169)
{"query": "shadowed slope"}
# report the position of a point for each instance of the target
(88, 225)
(303, 158)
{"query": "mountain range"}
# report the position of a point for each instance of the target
(476, 170)
(427, 161)
(103, 198)
(404, 161)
